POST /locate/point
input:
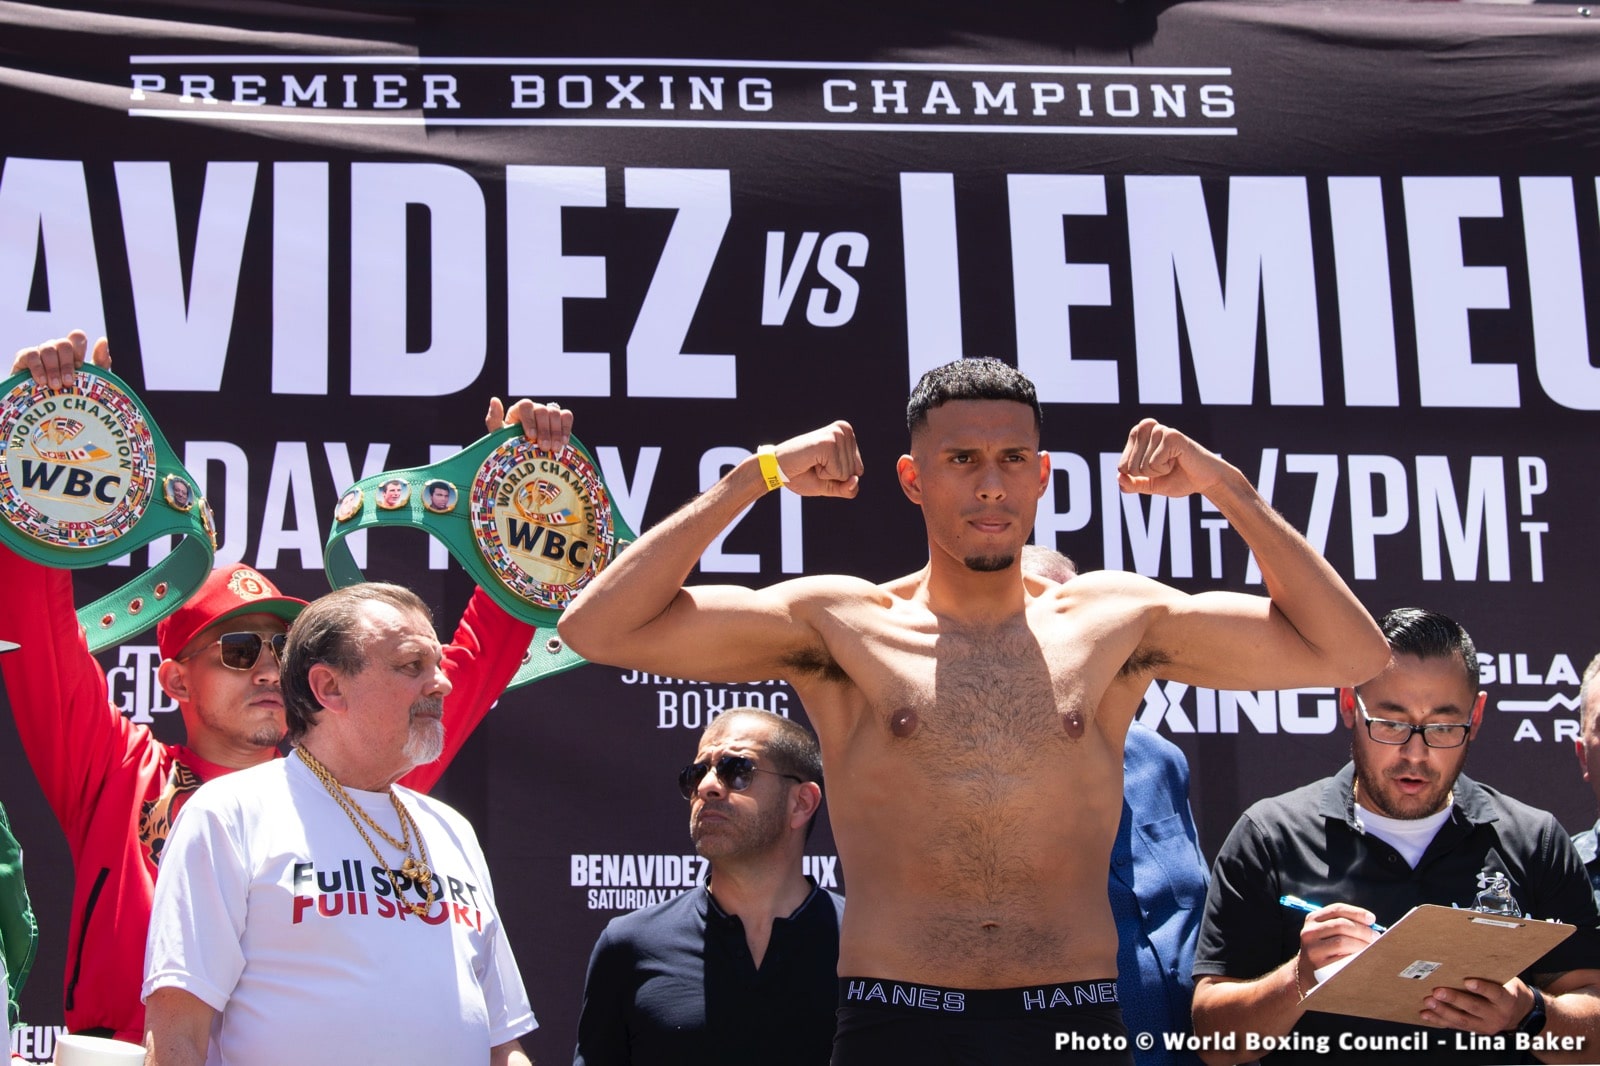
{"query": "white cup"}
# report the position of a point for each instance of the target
(73, 1050)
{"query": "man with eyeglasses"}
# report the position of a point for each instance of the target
(113, 786)
(747, 960)
(1398, 827)
(972, 717)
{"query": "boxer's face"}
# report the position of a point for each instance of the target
(976, 471)
(241, 707)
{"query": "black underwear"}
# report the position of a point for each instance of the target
(897, 1021)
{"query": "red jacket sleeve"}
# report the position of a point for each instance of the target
(480, 661)
(73, 737)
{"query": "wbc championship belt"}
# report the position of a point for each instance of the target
(531, 527)
(85, 478)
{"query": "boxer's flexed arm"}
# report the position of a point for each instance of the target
(1309, 630)
(638, 613)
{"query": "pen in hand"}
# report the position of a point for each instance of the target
(1297, 904)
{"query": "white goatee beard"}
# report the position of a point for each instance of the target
(425, 742)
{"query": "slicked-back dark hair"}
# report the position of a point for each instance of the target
(970, 379)
(330, 631)
(1430, 635)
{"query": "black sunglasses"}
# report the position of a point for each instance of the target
(241, 650)
(735, 771)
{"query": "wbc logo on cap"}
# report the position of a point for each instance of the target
(77, 466)
(247, 584)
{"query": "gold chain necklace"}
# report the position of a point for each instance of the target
(417, 870)
(338, 793)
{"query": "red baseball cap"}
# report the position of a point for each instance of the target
(229, 592)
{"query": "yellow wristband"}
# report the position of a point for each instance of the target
(771, 472)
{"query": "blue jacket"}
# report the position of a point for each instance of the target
(1158, 893)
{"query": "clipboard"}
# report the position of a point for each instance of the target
(1433, 947)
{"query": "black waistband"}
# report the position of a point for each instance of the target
(1029, 1001)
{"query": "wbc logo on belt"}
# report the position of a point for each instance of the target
(543, 522)
(77, 466)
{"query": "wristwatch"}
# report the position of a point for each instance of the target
(531, 527)
(86, 477)
(1536, 1020)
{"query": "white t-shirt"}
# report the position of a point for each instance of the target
(1409, 836)
(272, 910)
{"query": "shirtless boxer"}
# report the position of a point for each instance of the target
(972, 718)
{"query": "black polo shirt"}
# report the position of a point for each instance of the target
(1306, 843)
(675, 983)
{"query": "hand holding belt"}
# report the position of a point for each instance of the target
(532, 528)
(86, 477)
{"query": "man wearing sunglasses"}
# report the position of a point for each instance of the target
(1398, 827)
(749, 958)
(972, 718)
(114, 787)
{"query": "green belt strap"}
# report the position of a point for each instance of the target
(531, 528)
(86, 477)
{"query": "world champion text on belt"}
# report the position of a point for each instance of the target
(78, 464)
(533, 529)
(85, 478)
(543, 521)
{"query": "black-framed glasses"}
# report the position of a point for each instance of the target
(735, 771)
(241, 650)
(1434, 734)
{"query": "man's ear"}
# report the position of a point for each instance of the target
(327, 686)
(806, 799)
(910, 484)
(1044, 471)
(174, 680)
(1477, 714)
(1583, 756)
(1347, 707)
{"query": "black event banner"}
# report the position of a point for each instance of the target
(1350, 246)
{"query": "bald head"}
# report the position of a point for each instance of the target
(1048, 564)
